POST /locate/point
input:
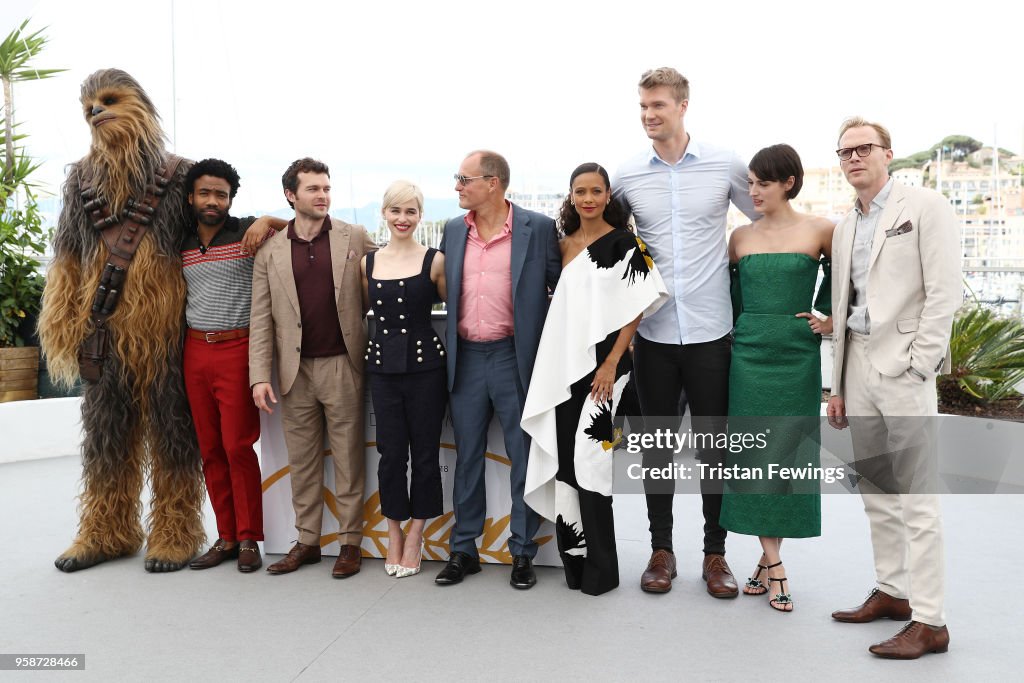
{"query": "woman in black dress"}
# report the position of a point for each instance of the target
(405, 361)
(608, 284)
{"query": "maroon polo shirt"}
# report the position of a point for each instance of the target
(314, 283)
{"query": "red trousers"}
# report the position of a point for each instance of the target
(227, 425)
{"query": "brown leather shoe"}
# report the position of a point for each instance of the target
(661, 569)
(913, 640)
(878, 605)
(249, 559)
(214, 556)
(299, 555)
(349, 559)
(721, 582)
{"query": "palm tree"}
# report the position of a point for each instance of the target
(15, 53)
(21, 232)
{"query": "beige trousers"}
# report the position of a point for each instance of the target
(893, 429)
(327, 393)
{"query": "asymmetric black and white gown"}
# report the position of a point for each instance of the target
(569, 473)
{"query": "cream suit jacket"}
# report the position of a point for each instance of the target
(275, 320)
(914, 285)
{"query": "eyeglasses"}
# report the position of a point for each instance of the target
(862, 151)
(464, 180)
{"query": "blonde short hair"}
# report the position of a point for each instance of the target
(860, 122)
(666, 75)
(400, 192)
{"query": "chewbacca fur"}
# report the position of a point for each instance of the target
(136, 418)
(127, 150)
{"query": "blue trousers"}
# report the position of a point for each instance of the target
(487, 382)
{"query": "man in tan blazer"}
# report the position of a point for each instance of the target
(896, 286)
(307, 312)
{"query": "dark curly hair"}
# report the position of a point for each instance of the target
(215, 168)
(614, 215)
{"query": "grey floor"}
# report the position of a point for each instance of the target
(222, 625)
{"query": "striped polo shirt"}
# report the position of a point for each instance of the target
(219, 279)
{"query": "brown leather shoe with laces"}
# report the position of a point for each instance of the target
(878, 605)
(299, 555)
(661, 569)
(349, 560)
(913, 640)
(721, 582)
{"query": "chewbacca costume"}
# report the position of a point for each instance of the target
(135, 414)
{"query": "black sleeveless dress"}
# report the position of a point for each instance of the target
(406, 365)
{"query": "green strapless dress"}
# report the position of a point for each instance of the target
(775, 372)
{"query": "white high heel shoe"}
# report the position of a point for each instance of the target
(392, 569)
(411, 571)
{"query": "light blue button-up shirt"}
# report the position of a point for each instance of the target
(857, 318)
(680, 212)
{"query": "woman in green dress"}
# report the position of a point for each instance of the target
(775, 375)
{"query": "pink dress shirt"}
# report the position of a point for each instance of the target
(485, 308)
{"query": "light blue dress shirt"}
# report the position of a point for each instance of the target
(857, 318)
(680, 212)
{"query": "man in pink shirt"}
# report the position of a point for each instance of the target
(501, 263)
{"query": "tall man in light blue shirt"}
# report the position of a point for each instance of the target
(679, 192)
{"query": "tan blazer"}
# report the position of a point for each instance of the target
(914, 285)
(274, 320)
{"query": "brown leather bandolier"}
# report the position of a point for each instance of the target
(122, 234)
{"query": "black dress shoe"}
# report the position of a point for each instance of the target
(523, 575)
(459, 564)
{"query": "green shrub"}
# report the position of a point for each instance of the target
(987, 356)
(21, 231)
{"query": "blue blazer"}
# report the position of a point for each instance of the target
(536, 265)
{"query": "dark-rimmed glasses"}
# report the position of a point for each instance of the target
(862, 151)
(465, 180)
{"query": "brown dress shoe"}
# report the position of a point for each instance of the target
(349, 559)
(878, 605)
(299, 555)
(214, 556)
(721, 582)
(913, 640)
(249, 559)
(661, 569)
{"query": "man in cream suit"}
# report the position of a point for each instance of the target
(896, 286)
(307, 310)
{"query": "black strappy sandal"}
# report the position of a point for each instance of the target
(783, 599)
(754, 583)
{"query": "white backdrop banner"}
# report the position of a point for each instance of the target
(279, 517)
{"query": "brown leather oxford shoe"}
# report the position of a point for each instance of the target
(878, 605)
(913, 640)
(299, 555)
(214, 556)
(661, 569)
(721, 582)
(349, 560)
(249, 559)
